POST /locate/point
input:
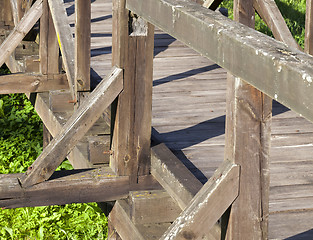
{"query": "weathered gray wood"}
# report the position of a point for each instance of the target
(269, 12)
(120, 219)
(66, 42)
(27, 82)
(212, 4)
(64, 187)
(16, 7)
(308, 40)
(99, 149)
(74, 129)
(174, 177)
(133, 51)
(60, 101)
(82, 43)
(208, 205)
(152, 207)
(283, 73)
(19, 32)
(248, 124)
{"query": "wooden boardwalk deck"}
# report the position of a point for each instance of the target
(189, 116)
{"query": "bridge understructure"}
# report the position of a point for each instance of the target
(180, 122)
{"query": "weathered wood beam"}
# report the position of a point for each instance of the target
(177, 180)
(173, 175)
(20, 31)
(248, 135)
(82, 43)
(283, 73)
(27, 82)
(75, 128)
(16, 7)
(308, 40)
(208, 205)
(66, 42)
(123, 225)
(132, 50)
(269, 12)
(73, 186)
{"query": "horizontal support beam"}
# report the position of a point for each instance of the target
(75, 128)
(73, 186)
(279, 71)
(208, 205)
(24, 82)
(20, 31)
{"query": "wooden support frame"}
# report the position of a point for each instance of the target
(283, 73)
(82, 43)
(72, 186)
(308, 40)
(74, 129)
(27, 82)
(133, 52)
(66, 42)
(20, 31)
(248, 113)
(208, 205)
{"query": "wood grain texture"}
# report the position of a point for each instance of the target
(248, 131)
(82, 43)
(22, 83)
(133, 52)
(76, 127)
(308, 40)
(208, 205)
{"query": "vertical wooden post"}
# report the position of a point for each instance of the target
(308, 41)
(133, 42)
(48, 53)
(248, 125)
(82, 43)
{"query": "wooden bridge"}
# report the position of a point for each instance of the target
(190, 177)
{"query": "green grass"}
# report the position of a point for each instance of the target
(20, 144)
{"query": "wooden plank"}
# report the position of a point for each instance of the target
(269, 12)
(308, 40)
(120, 219)
(282, 72)
(16, 7)
(152, 207)
(66, 42)
(174, 177)
(248, 124)
(82, 43)
(74, 129)
(132, 51)
(99, 149)
(19, 32)
(27, 82)
(208, 205)
(73, 186)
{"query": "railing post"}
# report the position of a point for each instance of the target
(308, 41)
(133, 42)
(248, 124)
(48, 53)
(82, 43)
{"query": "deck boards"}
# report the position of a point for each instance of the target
(189, 116)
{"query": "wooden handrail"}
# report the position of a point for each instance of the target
(279, 71)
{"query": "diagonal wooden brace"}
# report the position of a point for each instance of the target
(208, 205)
(76, 127)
